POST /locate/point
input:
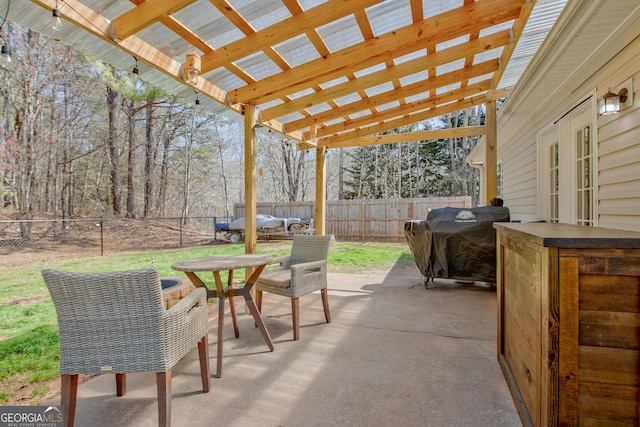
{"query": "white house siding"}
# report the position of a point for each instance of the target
(519, 187)
(619, 147)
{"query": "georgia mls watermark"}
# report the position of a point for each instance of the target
(31, 416)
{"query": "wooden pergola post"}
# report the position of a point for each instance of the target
(321, 191)
(490, 161)
(250, 235)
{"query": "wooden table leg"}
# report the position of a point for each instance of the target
(259, 322)
(220, 292)
(246, 293)
(232, 304)
(196, 280)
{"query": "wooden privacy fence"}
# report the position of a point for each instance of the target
(381, 219)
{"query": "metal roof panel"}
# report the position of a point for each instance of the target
(388, 16)
(341, 33)
(297, 50)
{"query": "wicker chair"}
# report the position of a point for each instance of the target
(302, 272)
(117, 323)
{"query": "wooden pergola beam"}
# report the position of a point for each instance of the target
(427, 135)
(405, 115)
(320, 221)
(145, 15)
(491, 161)
(392, 124)
(181, 30)
(233, 15)
(250, 205)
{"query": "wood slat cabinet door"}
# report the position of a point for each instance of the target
(521, 311)
(600, 350)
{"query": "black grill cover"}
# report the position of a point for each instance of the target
(456, 243)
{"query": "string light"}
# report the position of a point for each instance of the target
(5, 59)
(56, 22)
(135, 73)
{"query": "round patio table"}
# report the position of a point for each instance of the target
(216, 264)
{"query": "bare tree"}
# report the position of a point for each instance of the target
(294, 166)
(150, 156)
(225, 184)
(131, 110)
(114, 150)
(287, 168)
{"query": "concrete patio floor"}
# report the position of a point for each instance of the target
(395, 354)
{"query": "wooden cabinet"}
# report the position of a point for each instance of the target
(569, 323)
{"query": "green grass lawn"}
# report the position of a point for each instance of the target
(29, 353)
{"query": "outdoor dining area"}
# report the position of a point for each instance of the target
(548, 335)
(429, 360)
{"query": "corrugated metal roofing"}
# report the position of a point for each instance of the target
(349, 68)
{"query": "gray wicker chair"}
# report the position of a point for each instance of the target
(117, 323)
(296, 275)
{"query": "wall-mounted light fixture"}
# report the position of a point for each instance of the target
(190, 70)
(611, 102)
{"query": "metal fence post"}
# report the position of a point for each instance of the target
(101, 238)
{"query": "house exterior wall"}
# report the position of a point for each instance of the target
(561, 89)
(519, 177)
(619, 148)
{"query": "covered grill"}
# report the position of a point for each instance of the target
(456, 243)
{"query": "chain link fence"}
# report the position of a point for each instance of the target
(100, 236)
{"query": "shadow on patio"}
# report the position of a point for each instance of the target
(394, 354)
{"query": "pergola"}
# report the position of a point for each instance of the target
(324, 73)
